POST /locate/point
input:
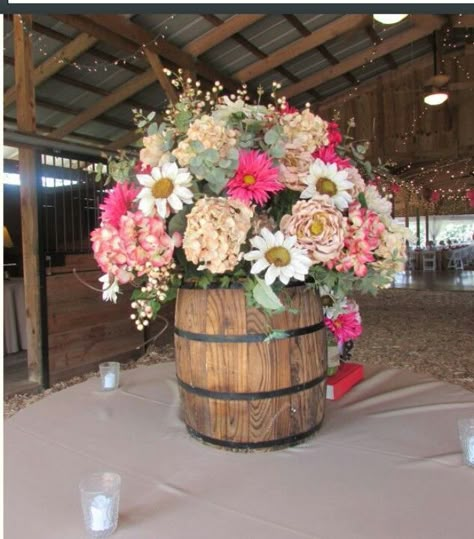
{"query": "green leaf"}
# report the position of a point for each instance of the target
(277, 151)
(362, 200)
(141, 123)
(217, 180)
(151, 116)
(178, 222)
(271, 137)
(265, 296)
(276, 334)
(152, 129)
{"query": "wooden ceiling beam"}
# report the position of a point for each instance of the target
(462, 21)
(55, 63)
(138, 35)
(330, 31)
(322, 49)
(131, 87)
(85, 86)
(244, 42)
(163, 80)
(74, 111)
(372, 33)
(359, 59)
(94, 51)
(217, 35)
(124, 141)
(103, 33)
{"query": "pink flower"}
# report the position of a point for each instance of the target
(470, 197)
(288, 109)
(142, 168)
(255, 178)
(117, 202)
(347, 326)
(328, 155)
(394, 188)
(334, 134)
(435, 196)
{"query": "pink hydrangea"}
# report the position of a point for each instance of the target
(362, 236)
(117, 202)
(347, 326)
(138, 246)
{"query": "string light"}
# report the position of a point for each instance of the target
(96, 66)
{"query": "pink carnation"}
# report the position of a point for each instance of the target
(329, 155)
(117, 202)
(255, 178)
(347, 326)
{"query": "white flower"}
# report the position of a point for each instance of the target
(376, 202)
(166, 187)
(227, 108)
(278, 255)
(109, 289)
(325, 179)
(334, 303)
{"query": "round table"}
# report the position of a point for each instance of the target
(385, 464)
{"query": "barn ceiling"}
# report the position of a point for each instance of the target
(91, 70)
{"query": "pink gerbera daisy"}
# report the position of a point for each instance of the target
(117, 203)
(346, 327)
(255, 178)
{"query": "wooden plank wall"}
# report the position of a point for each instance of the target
(386, 108)
(83, 330)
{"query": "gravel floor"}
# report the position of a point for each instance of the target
(424, 331)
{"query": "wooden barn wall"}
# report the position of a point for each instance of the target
(83, 330)
(387, 113)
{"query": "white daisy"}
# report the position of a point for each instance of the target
(166, 187)
(325, 179)
(278, 255)
(110, 290)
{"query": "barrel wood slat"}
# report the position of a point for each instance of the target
(228, 388)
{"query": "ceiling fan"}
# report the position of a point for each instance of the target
(437, 88)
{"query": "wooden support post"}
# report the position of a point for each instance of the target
(427, 227)
(26, 120)
(418, 239)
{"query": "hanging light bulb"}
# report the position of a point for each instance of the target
(388, 18)
(436, 97)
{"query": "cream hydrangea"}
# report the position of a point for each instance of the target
(211, 134)
(215, 231)
(153, 150)
(305, 130)
(294, 167)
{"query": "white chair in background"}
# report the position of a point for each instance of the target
(456, 260)
(429, 261)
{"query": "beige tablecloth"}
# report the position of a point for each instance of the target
(14, 316)
(386, 465)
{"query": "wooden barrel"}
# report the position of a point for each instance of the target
(238, 390)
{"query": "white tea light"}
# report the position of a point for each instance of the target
(101, 513)
(109, 380)
(109, 375)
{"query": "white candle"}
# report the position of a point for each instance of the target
(470, 450)
(101, 513)
(109, 380)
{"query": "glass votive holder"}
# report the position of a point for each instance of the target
(466, 436)
(100, 496)
(109, 375)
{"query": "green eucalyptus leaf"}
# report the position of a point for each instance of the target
(265, 296)
(178, 222)
(152, 129)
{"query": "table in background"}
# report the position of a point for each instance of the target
(386, 464)
(14, 316)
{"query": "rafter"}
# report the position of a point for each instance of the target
(462, 21)
(356, 60)
(135, 33)
(330, 31)
(244, 42)
(228, 28)
(372, 33)
(322, 49)
(131, 87)
(55, 63)
(157, 66)
(125, 140)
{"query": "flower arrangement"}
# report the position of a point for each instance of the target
(231, 193)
